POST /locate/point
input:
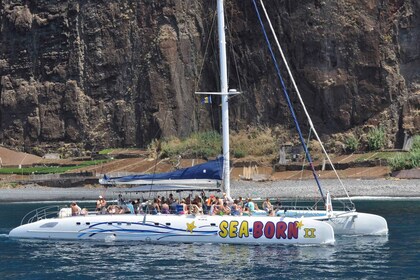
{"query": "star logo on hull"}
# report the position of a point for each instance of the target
(299, 224)
(191, 227)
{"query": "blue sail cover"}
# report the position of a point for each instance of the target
(208, 172)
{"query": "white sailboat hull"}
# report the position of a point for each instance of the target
(345, 223)
(180, 228)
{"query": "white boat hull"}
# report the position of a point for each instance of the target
(180, 228)
(345, 223)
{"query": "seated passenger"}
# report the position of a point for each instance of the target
(84, 212)
(101, 205)
(250, 207)
(222, 210)
(236, 210)
(165, 208)
(75, 209)
(173, 206)
(155, 207)
(278, 204)
(267, 205)
(197, 209)
(115, 209)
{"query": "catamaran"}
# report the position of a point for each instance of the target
(253, 229)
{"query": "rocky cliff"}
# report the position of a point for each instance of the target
(120, 73)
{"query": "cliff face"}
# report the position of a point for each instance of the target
(120, 73)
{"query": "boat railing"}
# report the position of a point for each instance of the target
(40, 214)
(338, 205)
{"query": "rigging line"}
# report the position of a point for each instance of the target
(301, 101)
(205, 52)
(289, 103)
(233, 53)
(308, 141)
(157, 156)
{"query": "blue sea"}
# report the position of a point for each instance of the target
(352, 257)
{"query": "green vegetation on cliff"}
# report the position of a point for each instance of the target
(407, 160)
(253, 142)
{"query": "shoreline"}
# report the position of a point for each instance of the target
(357, 189)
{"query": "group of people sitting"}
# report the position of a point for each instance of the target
(199, 205)
(236, 207)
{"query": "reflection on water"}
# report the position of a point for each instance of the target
(366, 257)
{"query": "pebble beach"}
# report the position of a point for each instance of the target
(285, 189)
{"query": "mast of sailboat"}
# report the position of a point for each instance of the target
(225, 94)
(224, 91)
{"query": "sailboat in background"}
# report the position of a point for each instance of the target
(181, 227)
(348, 221)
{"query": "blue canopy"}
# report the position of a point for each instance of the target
(205, 173)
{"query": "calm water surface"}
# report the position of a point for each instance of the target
(394, 256)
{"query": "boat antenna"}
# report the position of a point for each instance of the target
(301, 101)
(289, 103)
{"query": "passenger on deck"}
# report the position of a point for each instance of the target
(197, 209)
(184, 207)
(136, 205)
(222, 210)
(101, 205)
(171, 199)
(173, 206)
(236, 210)
(114, 209)
(210, 200)
(240, 202)
(130, 207)
(120, 200)
(165, 208)
(181, 208)
(250, 208)
(277, 205)
(155, 207)
(227, 199)
(75, 209)
(267, 205)
(188, 200)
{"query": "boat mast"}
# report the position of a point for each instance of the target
(224, 91)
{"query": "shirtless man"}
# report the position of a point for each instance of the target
(75, 209)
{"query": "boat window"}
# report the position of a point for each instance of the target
(78, 223)
(119, 224)
(156, 224)
(128, 224)
(168, 224)
(109, 223)
(213, 224)
(49, 225)
(87, 223)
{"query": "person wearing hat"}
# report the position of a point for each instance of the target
(101, 205)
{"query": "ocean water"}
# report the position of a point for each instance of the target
(352, 257)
